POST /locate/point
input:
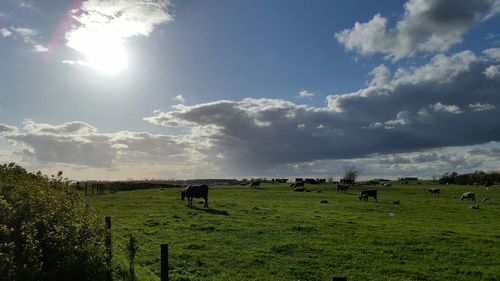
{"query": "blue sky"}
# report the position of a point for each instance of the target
(161, 89)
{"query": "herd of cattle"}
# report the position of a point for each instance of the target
(201, 191)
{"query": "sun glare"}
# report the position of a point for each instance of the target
(104, 51)
(108, 57)
(108, 60)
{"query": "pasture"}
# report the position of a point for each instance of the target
(273, 233)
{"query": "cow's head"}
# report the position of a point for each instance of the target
(183, 194)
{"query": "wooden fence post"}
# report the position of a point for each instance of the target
(109, 248)
(339, 278)
(164, 262)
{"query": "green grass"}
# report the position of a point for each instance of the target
(272, 233)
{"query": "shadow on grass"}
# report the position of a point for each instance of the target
(212, 211)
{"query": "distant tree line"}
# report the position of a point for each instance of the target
(477, 177)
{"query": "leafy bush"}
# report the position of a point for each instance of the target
(47, 232)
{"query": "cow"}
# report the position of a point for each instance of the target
(468, 196)
(368, 193)
(434, 191)
(486, 200)
(300, 189)
(342, 187)
(297, 184)
(255, 184)
(195, 191)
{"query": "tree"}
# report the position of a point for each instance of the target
(351, 173)
(47, 231)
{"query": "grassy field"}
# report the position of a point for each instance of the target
(273, 233)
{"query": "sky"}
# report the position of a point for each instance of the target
(178, 89)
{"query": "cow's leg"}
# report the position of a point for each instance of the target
(206, 202)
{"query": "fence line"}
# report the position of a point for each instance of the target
(164, 263)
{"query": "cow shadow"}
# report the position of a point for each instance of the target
(212, 211)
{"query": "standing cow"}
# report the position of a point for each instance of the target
(368, 193)
(255, 184)
(434, 191)
(195, 191)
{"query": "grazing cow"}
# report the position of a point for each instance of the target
(300, 189)
(386, 185)
(474, 206)
(342, 187)
(298, 184)
(468, 196)
(434, 191)
(255, 183)
(368, 193)
(195, 191)
(395, 202)
(485, 200)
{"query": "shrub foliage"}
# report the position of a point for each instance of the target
(47, 232)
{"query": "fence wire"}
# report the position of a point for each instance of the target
(121, 242)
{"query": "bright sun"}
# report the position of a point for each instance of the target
(104, 52)
(108, 59)
(107, 56)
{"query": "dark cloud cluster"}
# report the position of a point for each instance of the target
(448, 102)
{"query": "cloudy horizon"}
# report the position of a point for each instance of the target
(212, 89)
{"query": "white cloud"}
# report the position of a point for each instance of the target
(481, 106)
(40, 48)
(439, 107)
(28, 35)
(28, 5)
(179, 98)
(305, 94)
(427, 26)
(6, 129)
(493, 53)
(492, 71)
(5, 32)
